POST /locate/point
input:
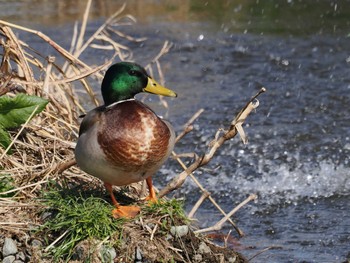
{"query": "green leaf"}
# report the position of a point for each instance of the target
(6, 184)
(5, 139)
(15, 111)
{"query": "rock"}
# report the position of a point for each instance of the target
(37, 243)
(9, 247)
(46, 215)
(108, 254)
(204, 248)
(18, 261)
(113, 253)
(9, 259)
(198, 258)
(179, 231)
(138, 255)
(232, 259)
(21, 256)
(79, 252)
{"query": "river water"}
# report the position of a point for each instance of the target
(297, 158)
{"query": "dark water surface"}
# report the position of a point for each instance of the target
(297, 159)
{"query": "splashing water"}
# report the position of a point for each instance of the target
(286, 185)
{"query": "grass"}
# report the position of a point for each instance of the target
(77, 218)
(172, 208)
(74, 216)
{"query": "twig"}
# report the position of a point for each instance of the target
(212, 200)
(50, 61)
(56, 241)
(215, 145)
(61, 167)
(165, 49)
(99, 30)
(130, 38)
(28, 74)
(219, 224)
(68, 79)
(83, 26)
(23, 187)
(72, 43)
(227, 238)
(4, 87)
(52, 43)
(263, 251)
(153, 232)
(188, 125)
(18, 224)
(194, 209)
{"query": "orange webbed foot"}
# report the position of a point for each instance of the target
(126, 211)
(151, 199)
(121, 211)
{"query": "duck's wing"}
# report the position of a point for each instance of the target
(90, 119)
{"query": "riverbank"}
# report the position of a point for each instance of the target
(38, 158)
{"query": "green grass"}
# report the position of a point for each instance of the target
(76, 216)
(167, 209)
(173, 208)
(81, 218)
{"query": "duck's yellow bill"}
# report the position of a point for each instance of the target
(155, 88)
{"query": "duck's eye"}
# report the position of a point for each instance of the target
(132, 72)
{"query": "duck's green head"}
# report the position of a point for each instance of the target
(125, 79)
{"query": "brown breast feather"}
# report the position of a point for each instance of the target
(125, 138)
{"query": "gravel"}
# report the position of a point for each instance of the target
(9, 248)
(9, 259)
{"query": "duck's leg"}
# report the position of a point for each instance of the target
(121, 211)
(152, 194)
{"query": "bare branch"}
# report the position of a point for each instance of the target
(219, 224)
(188, 126)
(215, 145)
(194, 209)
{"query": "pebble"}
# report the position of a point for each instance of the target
(21, 256)
(198, 258)
(232, 259)
(79, 252)
(179, 231)
(108, 255)
(204, 248)
(9, 247)
(37, 243)
(46, 215)
(9, 259)
(138, 255)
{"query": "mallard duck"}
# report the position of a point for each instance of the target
(124, 141)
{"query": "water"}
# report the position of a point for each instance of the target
(297, 159)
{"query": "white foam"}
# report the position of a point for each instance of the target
(283, 184)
